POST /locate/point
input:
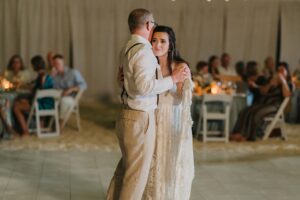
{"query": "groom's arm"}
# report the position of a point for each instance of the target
(144, 67)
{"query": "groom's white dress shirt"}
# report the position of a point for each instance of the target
(140, 80)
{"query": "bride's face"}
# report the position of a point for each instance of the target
(160, 44)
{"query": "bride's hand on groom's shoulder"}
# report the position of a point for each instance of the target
(180, 73)
(185, 68)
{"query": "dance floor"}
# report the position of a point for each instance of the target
(77, 175)
(79, 165)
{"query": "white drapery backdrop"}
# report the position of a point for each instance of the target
(9, 39)
(43, 26)
(251, 29)
(92, 32)
(33, 27)
(290, 34)
(202, 29)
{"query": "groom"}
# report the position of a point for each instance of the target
(136, 123)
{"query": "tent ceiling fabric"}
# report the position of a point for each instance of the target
(96, 31)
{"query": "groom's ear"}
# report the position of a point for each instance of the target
(148, 26)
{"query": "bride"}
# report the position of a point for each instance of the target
(172, 169)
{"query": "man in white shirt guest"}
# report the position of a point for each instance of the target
(136, 122)
(68, 80)
(225, 68)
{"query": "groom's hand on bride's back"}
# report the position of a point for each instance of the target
(181, 73)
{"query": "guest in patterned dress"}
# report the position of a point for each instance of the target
(23, 105)
(17, 73)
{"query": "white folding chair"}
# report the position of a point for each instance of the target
(41, 131)
(74, 109)
(225, 100)
(277, 121)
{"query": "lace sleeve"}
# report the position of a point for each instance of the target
(186, 107)
(188, 87)
(186, 93)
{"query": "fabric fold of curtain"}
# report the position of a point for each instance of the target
(290, 34)
(251, 30)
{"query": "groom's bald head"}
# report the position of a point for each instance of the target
(138, 17)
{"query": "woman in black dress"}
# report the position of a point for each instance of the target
(272, 95)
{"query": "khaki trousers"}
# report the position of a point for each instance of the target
(65, 105)
(136, 134)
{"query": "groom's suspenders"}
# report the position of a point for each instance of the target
(124, 90)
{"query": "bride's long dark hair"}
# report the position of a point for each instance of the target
(173, 54)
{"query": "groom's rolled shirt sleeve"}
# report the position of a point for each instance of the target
(144, 74)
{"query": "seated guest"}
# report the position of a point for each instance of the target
(16, 72)
(241, 80)
(269, 68)
(70, 81)
(296, 76)
(272, 95)
(296, 72)
(225, 68)
(23, 105)
(254, 81)
(202, 76)
(213, 67)
(284, 65)
(241, 70)
(251, 68)
(50, 61)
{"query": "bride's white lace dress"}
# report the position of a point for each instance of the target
(172, 170)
